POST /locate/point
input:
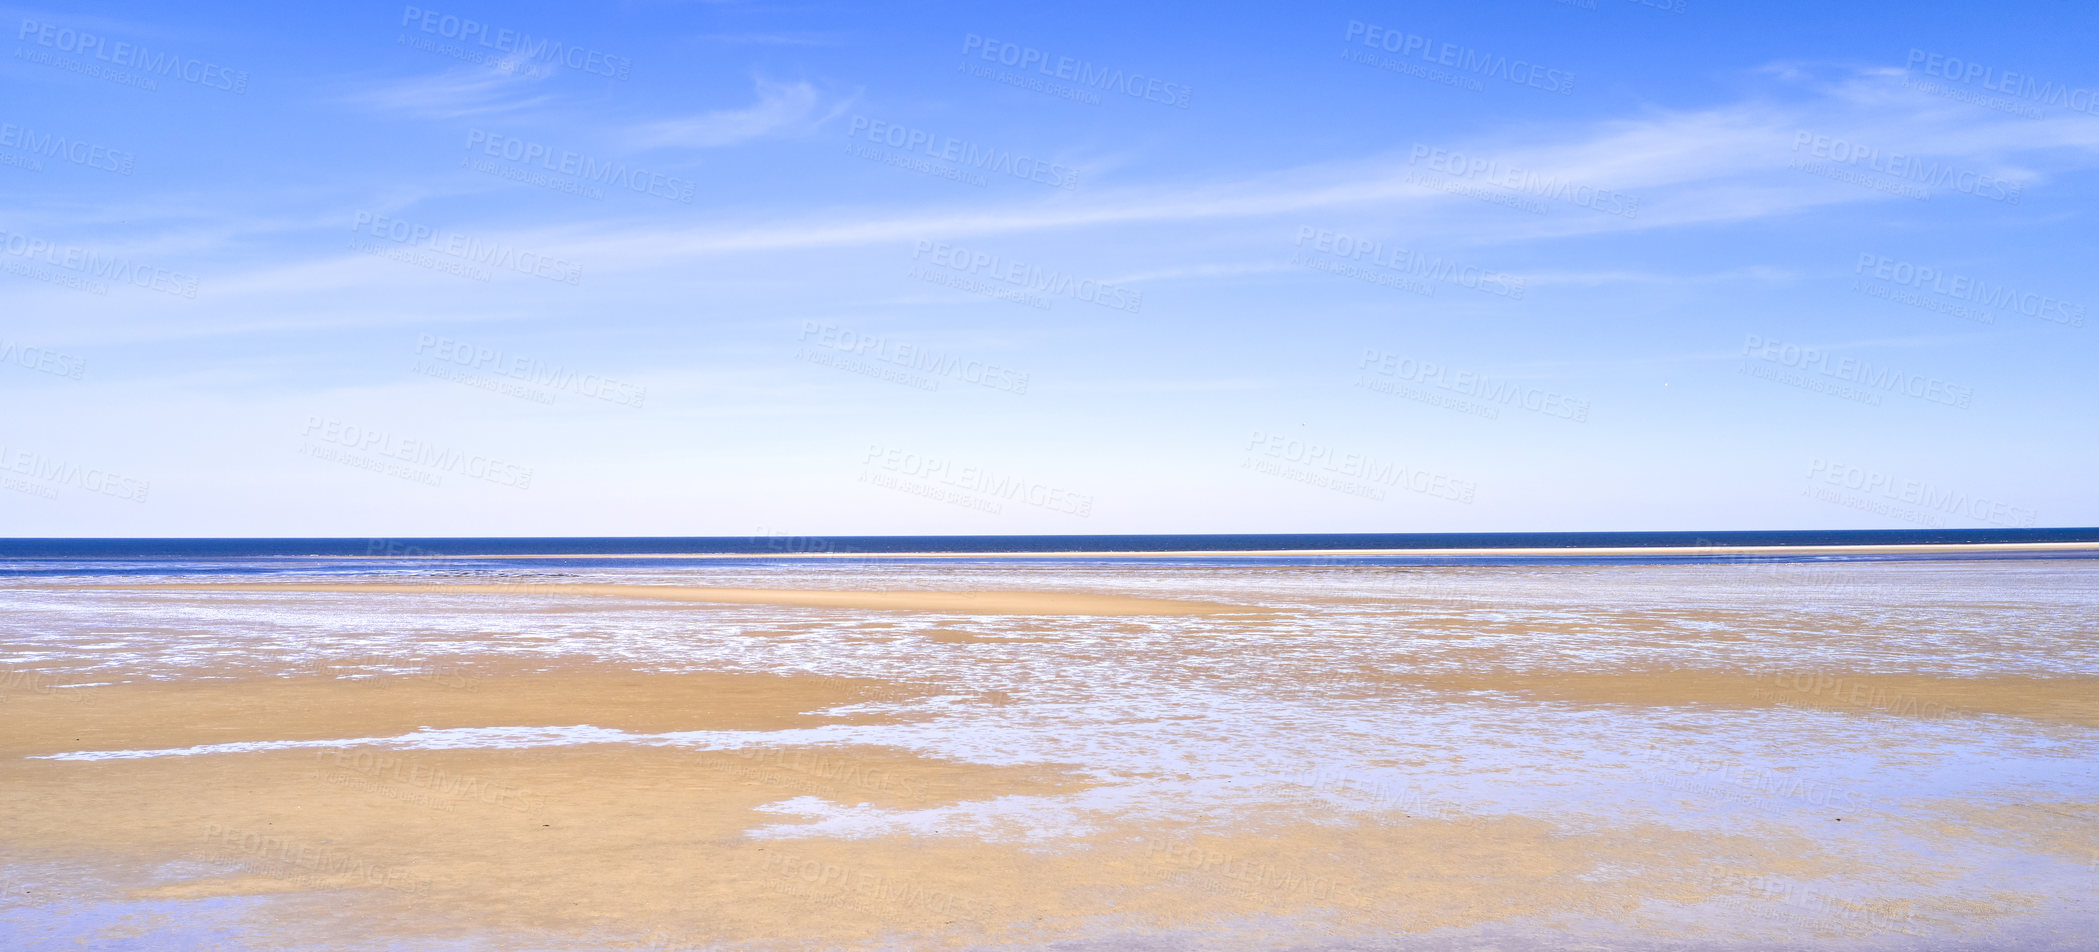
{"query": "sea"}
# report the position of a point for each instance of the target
(411, 556)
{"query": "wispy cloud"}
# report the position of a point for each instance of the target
(781, 109)
(1761, 274)
(454, 93)
(1695, 167)
(1712, 166)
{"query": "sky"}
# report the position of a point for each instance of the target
(377, 270)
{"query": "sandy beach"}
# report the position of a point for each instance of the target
(983, 603)
(1691, 757)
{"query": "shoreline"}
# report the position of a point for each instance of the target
(1890, 549)
(965, 602)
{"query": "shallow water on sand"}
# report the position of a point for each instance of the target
(1833, 703)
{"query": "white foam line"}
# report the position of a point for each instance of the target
(234, 748)
(459, 738)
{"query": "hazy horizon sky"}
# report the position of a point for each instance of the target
(730, 268)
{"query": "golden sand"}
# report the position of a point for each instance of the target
(165, 715)
(623, 845)
(617, 843)
(2060, 700)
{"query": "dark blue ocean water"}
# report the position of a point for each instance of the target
(991, 544)
(129, 556)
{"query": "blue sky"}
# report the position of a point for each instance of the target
(724, 268)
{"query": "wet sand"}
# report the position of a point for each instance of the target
(967, 603)
(1038, 772)
(608, 842)
(2051, 700)
(153, 715)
